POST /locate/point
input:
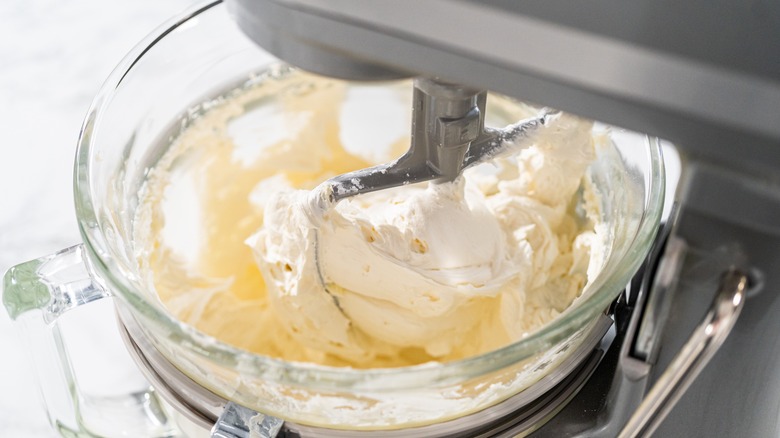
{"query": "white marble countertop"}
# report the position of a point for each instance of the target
(54, 55)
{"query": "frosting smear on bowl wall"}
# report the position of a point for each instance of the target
(419, 273)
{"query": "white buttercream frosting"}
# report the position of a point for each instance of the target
(432, 266)
(418, 273)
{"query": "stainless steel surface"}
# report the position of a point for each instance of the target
(523, 412)
(727, 219)
(694, 356)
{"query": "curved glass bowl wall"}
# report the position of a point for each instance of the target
(193, 58)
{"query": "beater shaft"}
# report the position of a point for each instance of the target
(448, 135)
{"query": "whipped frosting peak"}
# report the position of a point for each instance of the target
(234, 242)
(426, 266)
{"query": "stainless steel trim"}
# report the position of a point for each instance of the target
(657, 308)
(694, 356)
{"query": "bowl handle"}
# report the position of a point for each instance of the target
(35, 295)
(52, 285)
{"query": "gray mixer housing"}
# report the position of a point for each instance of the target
(704, 75)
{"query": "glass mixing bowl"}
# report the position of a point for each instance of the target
(195, 57)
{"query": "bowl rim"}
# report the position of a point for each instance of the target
(331, 377)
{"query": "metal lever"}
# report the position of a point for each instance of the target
(239, 422)
(692, 358)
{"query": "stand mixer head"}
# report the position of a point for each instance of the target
(641, 67)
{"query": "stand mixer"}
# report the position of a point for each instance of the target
(706, 76)
(686, 350)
